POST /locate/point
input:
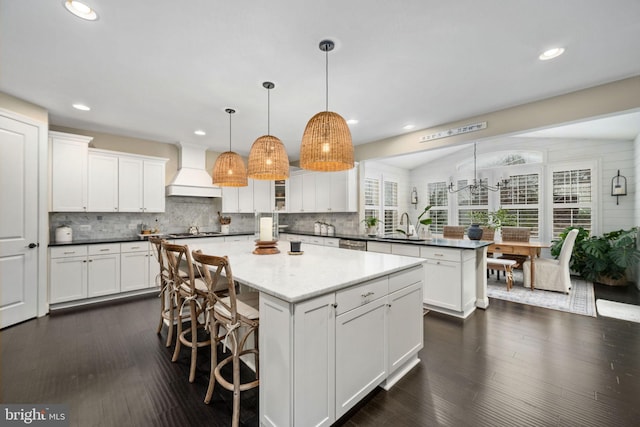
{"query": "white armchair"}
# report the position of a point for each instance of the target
(552, 274)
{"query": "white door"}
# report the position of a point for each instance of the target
(18, 221)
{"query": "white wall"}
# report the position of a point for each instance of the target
(608, 157)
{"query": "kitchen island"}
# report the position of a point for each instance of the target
(334, 325)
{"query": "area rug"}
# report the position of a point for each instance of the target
(618, 310)
(581, 299)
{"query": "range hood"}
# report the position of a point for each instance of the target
(192, 179)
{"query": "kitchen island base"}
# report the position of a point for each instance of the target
(321, 356)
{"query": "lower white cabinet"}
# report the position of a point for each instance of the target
(137, 266)
(361, 354)
(449, 284)
(334, 349)
(78, 272)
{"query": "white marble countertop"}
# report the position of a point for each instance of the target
(294, 278)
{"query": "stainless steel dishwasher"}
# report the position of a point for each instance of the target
(356, 245)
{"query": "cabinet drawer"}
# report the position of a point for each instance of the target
(111, 248)
(445, 254)
(67, 251)
(362, 294)
(502, 249)
(405, 278)
(332, 242)
(134, 247)
(406, 250)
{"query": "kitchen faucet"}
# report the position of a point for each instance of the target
(401, 223)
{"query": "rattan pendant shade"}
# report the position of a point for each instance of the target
(229, 169)
(268, 158)
(326, 142)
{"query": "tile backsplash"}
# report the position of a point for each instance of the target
(181, 213)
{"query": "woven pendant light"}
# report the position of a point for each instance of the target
(268, 158)
(229, 169)
(326, 142)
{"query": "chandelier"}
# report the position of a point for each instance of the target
(477, 186)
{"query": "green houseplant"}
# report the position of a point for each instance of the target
(493, 219)
(371, 223)
(602, 259)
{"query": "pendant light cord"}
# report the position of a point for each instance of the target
(229, 131)
(326, 53)
(268, 112)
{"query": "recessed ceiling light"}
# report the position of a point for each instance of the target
(352, 121)
(551, 53)
(408, 127)
(81, 10)
(200, 132)
(81, 107)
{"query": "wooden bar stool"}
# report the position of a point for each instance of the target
(239, 319)
(189, 291)
(163, 281)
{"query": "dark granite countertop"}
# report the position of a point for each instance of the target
(436, 241)
(136, 238)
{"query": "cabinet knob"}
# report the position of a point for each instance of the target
(334, 305)
(32, 245)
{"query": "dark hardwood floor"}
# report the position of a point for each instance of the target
(510, 365)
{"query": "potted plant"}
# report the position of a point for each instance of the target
(602, 259)
(371, 223)
(225, 223)
(495, 220)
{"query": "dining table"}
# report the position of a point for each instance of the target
(529, 249)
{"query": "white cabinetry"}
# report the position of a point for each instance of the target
(103, 182)
(67, 274)
(84, 179)
(449, 280)
(68, 169)
(137, 266)
(361, 342)
(255, 197)
(334, 349)
(78, 272)
(323, 191)
(380, 247)
(140, 184)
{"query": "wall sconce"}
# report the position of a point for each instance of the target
(414, 198)
(618, 186)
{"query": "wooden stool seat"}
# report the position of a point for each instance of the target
(505, 265)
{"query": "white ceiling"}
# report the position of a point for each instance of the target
(161, 69)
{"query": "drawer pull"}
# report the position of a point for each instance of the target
(104, 250)
(69, 253)
(438, 254)
(368, 294)
(135, 247)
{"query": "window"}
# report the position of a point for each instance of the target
(469, 202)
(371, 198)
(572, 200)
(520, 196)
(390, 206)
(439, 201)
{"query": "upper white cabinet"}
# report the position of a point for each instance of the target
(257, 196)
(323, 191)
(141, 185)
(91, 180)
(68, 168)
(103, 182)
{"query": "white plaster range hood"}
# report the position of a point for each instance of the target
(192, 179)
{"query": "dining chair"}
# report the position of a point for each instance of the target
(515, 234)
(453, 232)
(553, 274)
(238, 316)
(190, 292)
